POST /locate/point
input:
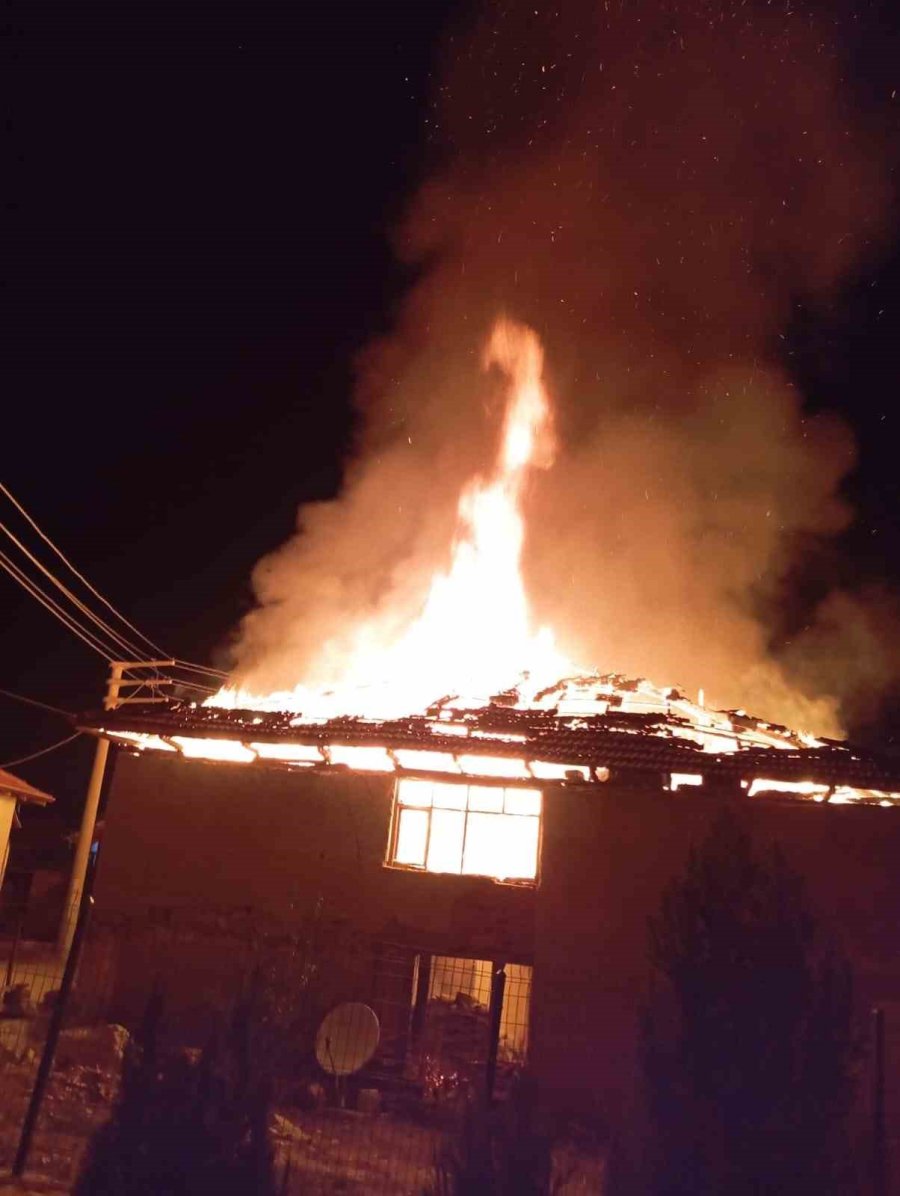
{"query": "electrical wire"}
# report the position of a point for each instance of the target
(100, 643)
(31, 586)
(202, 689)
(84, 581)
(91, 639)
(202, 668)
(8, 693)
(43, 752)
(55, 609)
(120, 642)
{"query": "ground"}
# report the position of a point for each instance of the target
(35, 1185)
(78, 1100)
(330, 1151)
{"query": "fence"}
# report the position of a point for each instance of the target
(376, 1099)
(369, 1098)
(83, 1082)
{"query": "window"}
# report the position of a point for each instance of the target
(472, 830)
(435, 1017)
(453, 979)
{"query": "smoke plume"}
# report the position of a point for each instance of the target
(650, 186)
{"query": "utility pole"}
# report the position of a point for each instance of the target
(114, 685)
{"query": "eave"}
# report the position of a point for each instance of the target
(538, 746)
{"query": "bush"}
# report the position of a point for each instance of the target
(751, 1048)
(187, 1123)
(500, 1150)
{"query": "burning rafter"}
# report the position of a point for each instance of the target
(583, 730)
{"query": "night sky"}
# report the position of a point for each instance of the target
(201, 201)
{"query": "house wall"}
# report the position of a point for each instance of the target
(184, 838)
(199, 836)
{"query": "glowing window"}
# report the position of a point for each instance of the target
(472, 830)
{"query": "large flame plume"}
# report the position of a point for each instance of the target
(650, 186)
(475, 634)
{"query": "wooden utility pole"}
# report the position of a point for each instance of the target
(113, 699)
(79, 899)
(495, 1016)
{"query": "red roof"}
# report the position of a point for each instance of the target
(15, 786)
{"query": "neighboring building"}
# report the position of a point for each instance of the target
(12, 791)
(501, 861)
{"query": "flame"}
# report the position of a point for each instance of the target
(474, 636)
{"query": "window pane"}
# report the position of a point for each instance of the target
(504, 846)
(412, 836)
(484, 844)
(486, 797)
(450, 797)
(520, 847)
(450, 977)
(514, 1016)
(523, 801)
(446, 843)
(414, 793)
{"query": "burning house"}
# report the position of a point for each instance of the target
(495, 865)
(496, 850)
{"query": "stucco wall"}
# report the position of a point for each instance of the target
(189, 834)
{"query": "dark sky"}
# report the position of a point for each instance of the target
(200, 200)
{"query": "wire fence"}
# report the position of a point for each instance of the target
(379, 1051)
(389, 1062)
(85, 1077)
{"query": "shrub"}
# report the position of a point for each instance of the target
(499, 1150)
(750, 1047)
(186, 1123)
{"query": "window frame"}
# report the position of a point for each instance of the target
(477, 782)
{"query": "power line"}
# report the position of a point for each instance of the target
(202, 668)
(100, 640)
(8, 693)
(91, 638)
(55, 609)
(117, 639)
(84, 581)
(202, 689)
(43, 752)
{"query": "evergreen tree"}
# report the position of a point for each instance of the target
(750, 1047)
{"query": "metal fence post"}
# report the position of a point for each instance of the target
(495, 1014)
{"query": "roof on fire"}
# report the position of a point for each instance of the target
(594, 726)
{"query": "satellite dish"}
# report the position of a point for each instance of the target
(347, 1038)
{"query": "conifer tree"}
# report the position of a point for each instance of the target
(750, 1046)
